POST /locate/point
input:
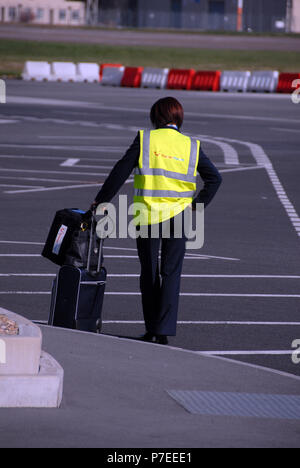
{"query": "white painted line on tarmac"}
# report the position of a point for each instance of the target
(21, 186)
(240, 169)
(119, 257)
(28, 275)
(57, 102)
(89, 166)
(230, 154)
(292, 130)
(213, 295)
(136, 275)
(21, 242)
(263, 160)
(43, 180)
(65, 147)
(20, 255)
(4, 122)
(81, 137)
(246, 353)
(126, 249)
(53, 158)
(51, 189)
(203, 322)
(207, 256)
(126, 275)
(70, 162)
(126, 293)
(240, 295)
(26, 293)
(35, 171)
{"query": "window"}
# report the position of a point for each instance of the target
(40, 13)
(12, 13)
(75, 15)
(62, 15)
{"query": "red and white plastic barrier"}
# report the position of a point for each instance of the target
(235, 81)
(36, 71)
(63, 71)
(108, 65)
(154, 78)
(263, 81)
(206, 81)
(112, 74)
(132, 77)
(285, 82)
(87, 72)
(180, 78)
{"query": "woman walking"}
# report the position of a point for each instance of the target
(166, 163)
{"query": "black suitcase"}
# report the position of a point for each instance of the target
(78, 293)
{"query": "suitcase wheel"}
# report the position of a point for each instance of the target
(99, 326)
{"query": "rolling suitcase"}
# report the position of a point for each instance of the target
(78, 293)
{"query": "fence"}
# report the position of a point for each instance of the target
(198, 21)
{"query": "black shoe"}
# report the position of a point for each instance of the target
(147, 337)
(162, 339)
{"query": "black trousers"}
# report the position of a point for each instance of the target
(160, 282)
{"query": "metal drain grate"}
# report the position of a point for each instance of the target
(252, 405)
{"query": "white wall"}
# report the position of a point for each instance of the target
(58, 12)
(296, 17)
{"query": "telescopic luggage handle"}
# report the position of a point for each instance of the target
(92, 235)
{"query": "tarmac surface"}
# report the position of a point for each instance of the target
(240, 292)
(144, 38)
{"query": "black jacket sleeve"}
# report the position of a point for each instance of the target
(120, 173)
(211, 177)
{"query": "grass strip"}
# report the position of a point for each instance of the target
(14, 53)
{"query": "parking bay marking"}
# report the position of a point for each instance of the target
(136, 275)
(194, 322)
(126, 293)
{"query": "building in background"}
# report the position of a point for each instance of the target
(53, 12)
(294, 16)
(257, 15)
(264, 15)
(185, 14)
(198, 15)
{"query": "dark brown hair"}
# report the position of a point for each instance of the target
(165, 111)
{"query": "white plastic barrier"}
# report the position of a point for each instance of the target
(63, 71)
(263, 81)
(235, 81)
(88, 72)
(39, 71)
(155, 77)
(112, 76)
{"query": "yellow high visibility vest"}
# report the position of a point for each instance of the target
(165, 179)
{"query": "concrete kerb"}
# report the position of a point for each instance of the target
(22, 351)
